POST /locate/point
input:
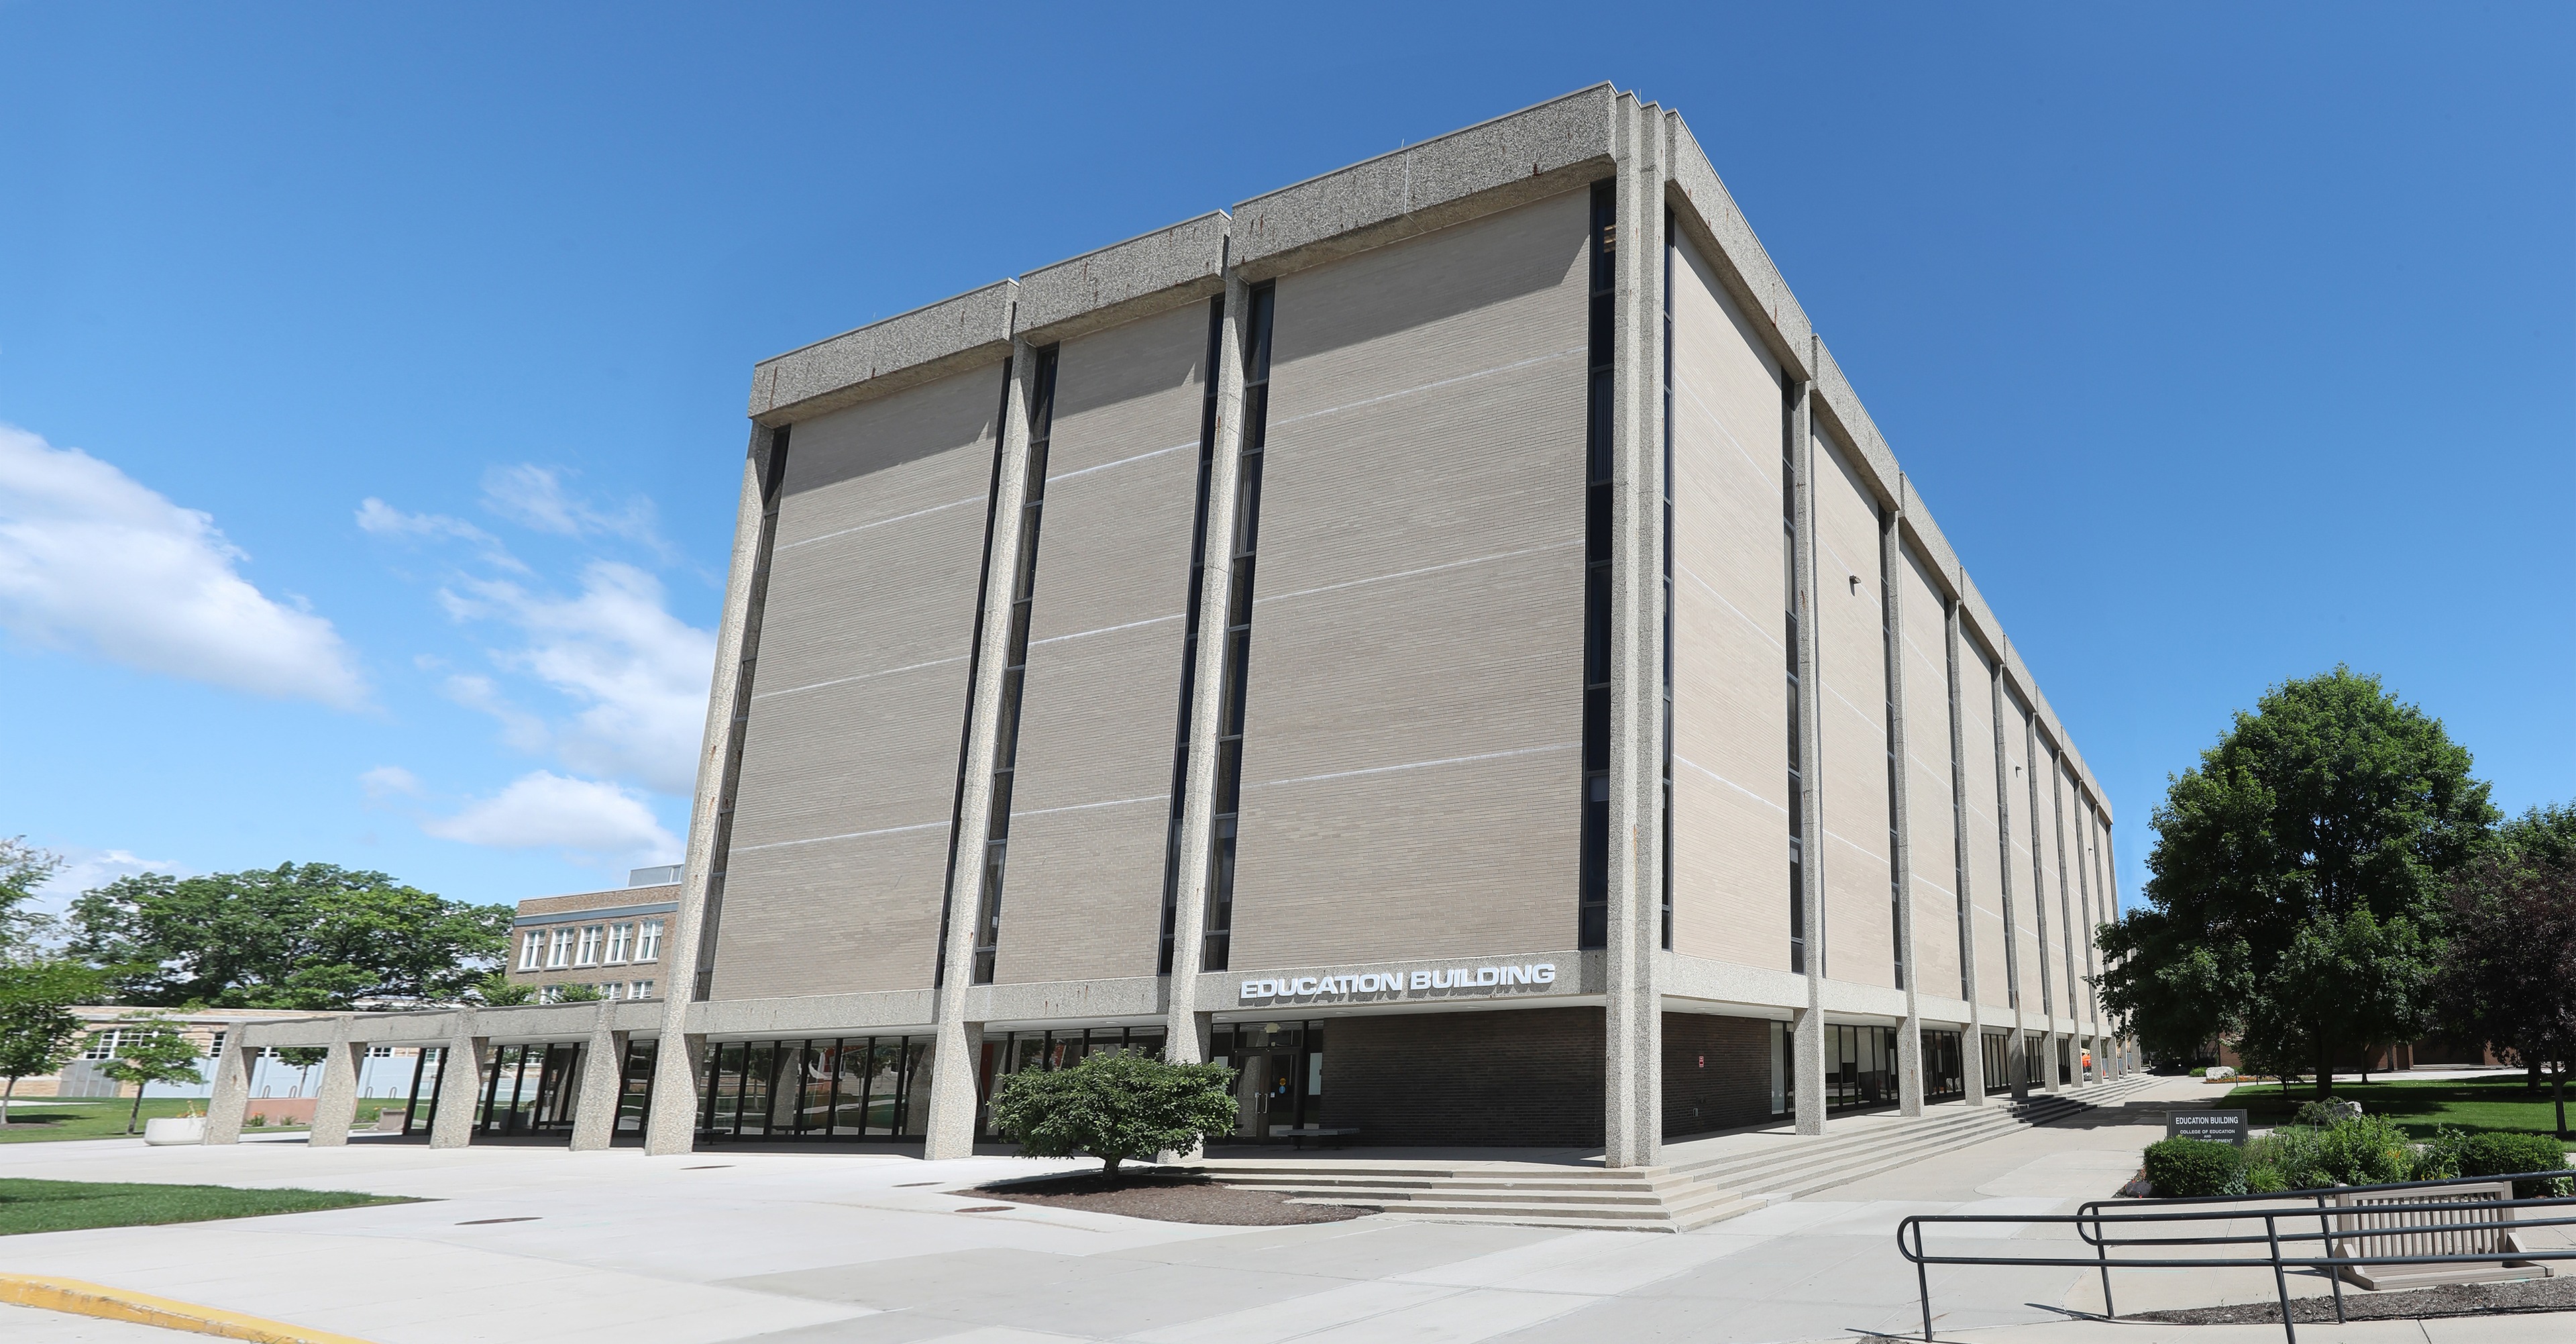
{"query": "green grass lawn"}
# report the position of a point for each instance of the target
(2419, 1104)
(60, 1206)
(43, 1118)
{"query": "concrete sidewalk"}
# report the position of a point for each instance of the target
(805, 1247)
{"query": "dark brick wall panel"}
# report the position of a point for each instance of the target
(1717, 1073)
(1525, 1078)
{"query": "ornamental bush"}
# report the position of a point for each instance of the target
(2510, 1154)
(2195, 1168)
(1115, 1106)
(2362, 1150)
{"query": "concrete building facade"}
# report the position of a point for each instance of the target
(1444, 636)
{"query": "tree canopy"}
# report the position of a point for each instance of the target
(23, 868)
(308, 937)
(2509, 972)
(2295, 902)
(39, 1032)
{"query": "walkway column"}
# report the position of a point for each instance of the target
(224, 1109)
(1185, 1027)
(460, 1083)
(1632, 1119)
(1809, 1041)
(335, 1103)
(603, 1077)
(950, 1129)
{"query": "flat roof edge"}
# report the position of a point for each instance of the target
(963, 327)
(1107, 285)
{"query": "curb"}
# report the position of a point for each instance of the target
(119, 1304)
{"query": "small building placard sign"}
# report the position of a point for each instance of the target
(2215, 1126)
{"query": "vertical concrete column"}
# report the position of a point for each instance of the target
(1909, 1034)
(670, 1126)
(603, 1075)
(1633, 1006)
(335, 1103)
(1809, 1039)
(1185, 1025)
(1972, 1059)
(231, 1097)
(2016, 1042)
(460, 1083)
(950, 1129)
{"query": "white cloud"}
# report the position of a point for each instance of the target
(387, 781)
(92, 560)
(534, 496)
(640, 671)
(86, 869)
(544, 810)
(377, 518)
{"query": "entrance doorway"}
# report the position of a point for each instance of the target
(1279, 1081)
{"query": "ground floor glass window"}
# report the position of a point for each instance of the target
(1996, 1050)
(845, 1087)
(1861, 1067)
(1945, 1069)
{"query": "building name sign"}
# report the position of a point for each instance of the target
(1402, 982)
(2215, 1126)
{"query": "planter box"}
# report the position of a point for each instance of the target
(175, 1129)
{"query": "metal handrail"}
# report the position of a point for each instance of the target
(2094, 1227)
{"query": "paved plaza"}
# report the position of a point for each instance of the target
(867, 1247)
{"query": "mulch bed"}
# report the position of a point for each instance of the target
(1172, 1197)
(2459, 1299)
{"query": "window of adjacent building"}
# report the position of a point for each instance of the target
(620, 937)
(380, 1052)
(1006, 739)
(215, 1047)
(103, 1045)
(530, 948)
(648, 940)
(1218, 942)
(641, 989)
(1592, 900)
(586, 948)
(559, 949)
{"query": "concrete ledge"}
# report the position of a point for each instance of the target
(1539, 151)
(1708, 216)
(1124, 281)
(1054, 1000)
(1842, 405)
(899, 352)
(104, 1303)
(887, 1012)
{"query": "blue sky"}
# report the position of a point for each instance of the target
(2228, 343)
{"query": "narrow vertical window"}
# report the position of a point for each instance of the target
(1958, 796)
(1890, 637)
(1668, 582)
(1219, 938)
(1006, 736)
(1190, 631)
(2003, 844)
(1790, 604)
(1592, 909)
(2038, 875)
(974, 672)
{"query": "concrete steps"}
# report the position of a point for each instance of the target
(1676, 1197)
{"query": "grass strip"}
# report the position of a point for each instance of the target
(63, 1206)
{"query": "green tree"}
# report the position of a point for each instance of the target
(150, 1050)
(23, 868)
(498, 990)
(573, 992)
(1116, 1106)
(39, 1032)
(2331, 801)
(311, 937)
(2509, 974)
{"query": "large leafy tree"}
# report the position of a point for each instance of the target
(23, 868)
(302, 936)
(39, 1032)
(2509, 977)
(2295, 899)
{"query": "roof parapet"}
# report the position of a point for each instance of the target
(902, 350)
(1109, 285)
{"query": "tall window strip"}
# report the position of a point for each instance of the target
(1015, 666)
(1218, 941)
(1190, 634)
(2065, 889)
(1888, 637)
(974, 666)
(1592, 908)
(1668, 582)
(1791, 600)
(1958, 799)
(2038, 876)
(773, 481)
(2003, 841)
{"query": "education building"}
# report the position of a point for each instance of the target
(1444, 636)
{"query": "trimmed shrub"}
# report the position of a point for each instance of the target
(2195, 1168)
(2510, 1154)
(1116, 1106)
(2364, 1150)
(2264, 1181)
(2200, 1072)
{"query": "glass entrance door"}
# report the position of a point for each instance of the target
(1265, 1094)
